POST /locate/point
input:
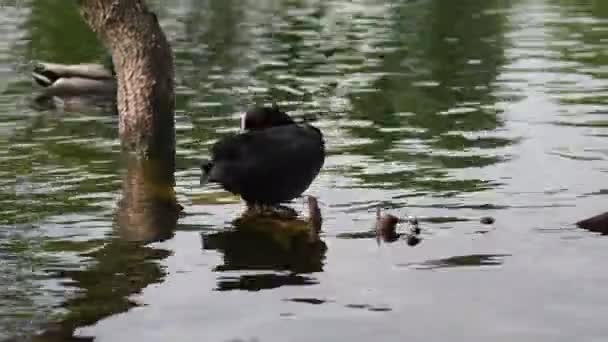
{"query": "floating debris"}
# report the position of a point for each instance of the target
(386, 227)
(413, 240)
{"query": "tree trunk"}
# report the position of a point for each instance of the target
(143, 61)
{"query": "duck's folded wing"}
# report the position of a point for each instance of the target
(269, 154)
(84, 70)
(269, 143)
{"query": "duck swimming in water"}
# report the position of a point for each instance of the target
(74, 82)
(272, 161)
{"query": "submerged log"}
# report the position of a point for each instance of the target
(598, 223)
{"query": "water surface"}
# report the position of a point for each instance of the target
(446, 110)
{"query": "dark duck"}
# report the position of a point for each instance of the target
(271, 161)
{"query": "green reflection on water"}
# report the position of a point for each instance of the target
(459, 55)
(583, 45)
(121, 269)
(57, 33)
(436, 60)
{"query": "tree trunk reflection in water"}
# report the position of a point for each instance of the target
(124, 266)
(148, 210)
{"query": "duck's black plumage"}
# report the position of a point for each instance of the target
(274, 161)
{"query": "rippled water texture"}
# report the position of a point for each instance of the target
(447, 110)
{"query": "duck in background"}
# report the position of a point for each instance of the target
(73, 85)
(386, 228)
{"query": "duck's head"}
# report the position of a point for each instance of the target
(259, 118)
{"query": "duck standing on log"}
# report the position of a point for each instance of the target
(271, 161)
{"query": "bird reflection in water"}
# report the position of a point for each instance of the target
(285, 245)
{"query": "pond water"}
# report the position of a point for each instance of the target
(446, 110)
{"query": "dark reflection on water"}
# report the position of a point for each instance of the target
(147, 210)
(121, 269)
(261, 250)
(122, 265)
(314, 301)
(475, 260)
(260, 244)
(263, 281)
(372, 235)
(368, 307)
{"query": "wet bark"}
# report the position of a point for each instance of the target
(143, 61)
